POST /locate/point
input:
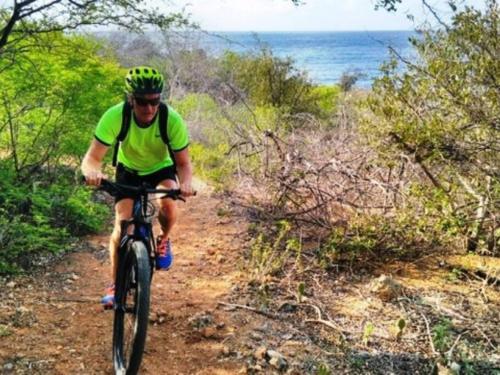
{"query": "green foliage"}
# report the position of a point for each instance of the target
(403, 235)
(23, 19)
(368, 330)
(441, 335)
(267, 256)
(301, 290)
(269, 80)
(5, 330)
(442, 114)
(47, 113)
(40, 216)
(327, 98)
(213, 163)
(400, 326)
(323, 369)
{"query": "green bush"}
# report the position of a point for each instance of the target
(268, 80)
(441, 113)
(403, 235)
(41, 216)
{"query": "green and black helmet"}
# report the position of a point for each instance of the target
(144, 80)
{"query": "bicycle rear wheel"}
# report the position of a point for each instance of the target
(131, 310)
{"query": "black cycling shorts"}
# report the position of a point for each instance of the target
(129, 177)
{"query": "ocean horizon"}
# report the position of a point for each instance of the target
(323, 55)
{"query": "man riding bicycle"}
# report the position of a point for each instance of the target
(143, 156)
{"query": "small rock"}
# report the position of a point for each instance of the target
(455, 367)
(225, 351)
(201, 320)
(386, 288)
(278, 363)
(263, 328)
(288, 307)
(8, 366)
(220, 325)
(160, 313)
(260, 353)
(443, 370)
(220, 258)
(74, 277)
(274, 354)
(208, 332)
(256, 336)
(235, 288)
(211, 251)
(11, 284)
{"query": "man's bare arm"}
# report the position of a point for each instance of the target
(92, 163)
(185, 171)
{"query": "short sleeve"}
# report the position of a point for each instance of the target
(109, 125)
(178, 135)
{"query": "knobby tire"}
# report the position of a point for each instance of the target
(134, 300)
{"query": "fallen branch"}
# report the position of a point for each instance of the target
(328, 323)
(449, 353)
(253, 309)
(486, 337)
(429, 334)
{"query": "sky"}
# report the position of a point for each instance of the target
(314, 15)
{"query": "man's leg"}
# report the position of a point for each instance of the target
(123, 211)
(168, 209)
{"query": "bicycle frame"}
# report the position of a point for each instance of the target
(136, 261)
(142, 228)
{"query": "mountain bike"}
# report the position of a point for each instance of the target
(136, 264)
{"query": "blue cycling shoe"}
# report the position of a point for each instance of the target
(109, 298)
(164, 256)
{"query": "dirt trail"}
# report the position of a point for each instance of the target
(53, 324)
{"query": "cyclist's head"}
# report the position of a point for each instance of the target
(142, 80)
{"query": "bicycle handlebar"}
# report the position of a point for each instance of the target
(114, 188)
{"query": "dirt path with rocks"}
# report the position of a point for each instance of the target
(52, 323)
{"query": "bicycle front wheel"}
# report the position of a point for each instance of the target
(131, 310)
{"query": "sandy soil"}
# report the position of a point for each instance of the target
(53, 323)
(345, 323)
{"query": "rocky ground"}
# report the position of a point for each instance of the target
(210, 315)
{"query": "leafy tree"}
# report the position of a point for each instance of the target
(35, 17)
(269, 80)
(443, 114)
(52, 99)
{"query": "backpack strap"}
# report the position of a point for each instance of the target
(126, 115)
(163, 123)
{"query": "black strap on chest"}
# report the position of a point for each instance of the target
(126, 120)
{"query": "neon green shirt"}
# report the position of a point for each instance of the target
(143, 149)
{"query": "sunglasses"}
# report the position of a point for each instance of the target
(144, 102)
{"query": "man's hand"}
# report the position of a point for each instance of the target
(187, 190)
(94, 178)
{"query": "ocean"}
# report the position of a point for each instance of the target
(325, 56)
